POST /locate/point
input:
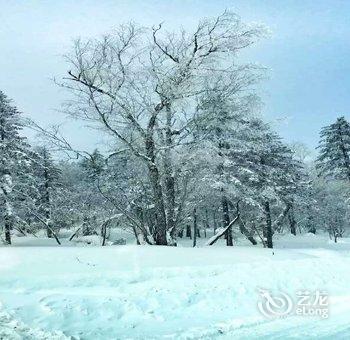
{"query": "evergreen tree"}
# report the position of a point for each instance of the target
(92, 169)
(221, 118)
(13, 161)
(268, 171)
(334, 158)
(48, 180)
(281, 178)
(93, 166)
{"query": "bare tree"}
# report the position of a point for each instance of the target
(141, 85)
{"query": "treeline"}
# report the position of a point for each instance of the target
(248, 172)
(187, 147)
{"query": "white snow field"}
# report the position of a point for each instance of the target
(149, 292)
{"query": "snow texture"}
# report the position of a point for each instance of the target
(145, 292)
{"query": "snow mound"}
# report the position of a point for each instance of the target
(12, 329)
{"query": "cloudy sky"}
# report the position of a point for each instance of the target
(308, 53)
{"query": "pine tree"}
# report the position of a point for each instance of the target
(92, 170)
(13, 159)
(222, 125)
(334, 158)
(217, 124)
(93, 166)
(48, 180)
(271, 173)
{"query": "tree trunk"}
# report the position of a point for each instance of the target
(188, 231)
(195, 228)
(49, 230)
(245, 232)
(214, 222)
(136, 235)
(243, 229)
(214, 238)
(269, 232)
(160, 227)
(8, 227)
(226, 221)
(335, 234)
(168, 174)
(206, 227)
(104, 233)
(47, 203)
(6, 187)
(292, 221)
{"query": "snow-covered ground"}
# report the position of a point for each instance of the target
(145, 292)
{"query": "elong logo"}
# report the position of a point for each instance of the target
(281, 304)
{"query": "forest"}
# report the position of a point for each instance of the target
(161, 196)
(188, 155)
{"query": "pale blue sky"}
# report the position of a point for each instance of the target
(308, 53)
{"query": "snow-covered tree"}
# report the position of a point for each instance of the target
(13, 162)
(220, 133)
(334, 146)
(141, 87)
(333, 207)
(278, 178)
(47, 176)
